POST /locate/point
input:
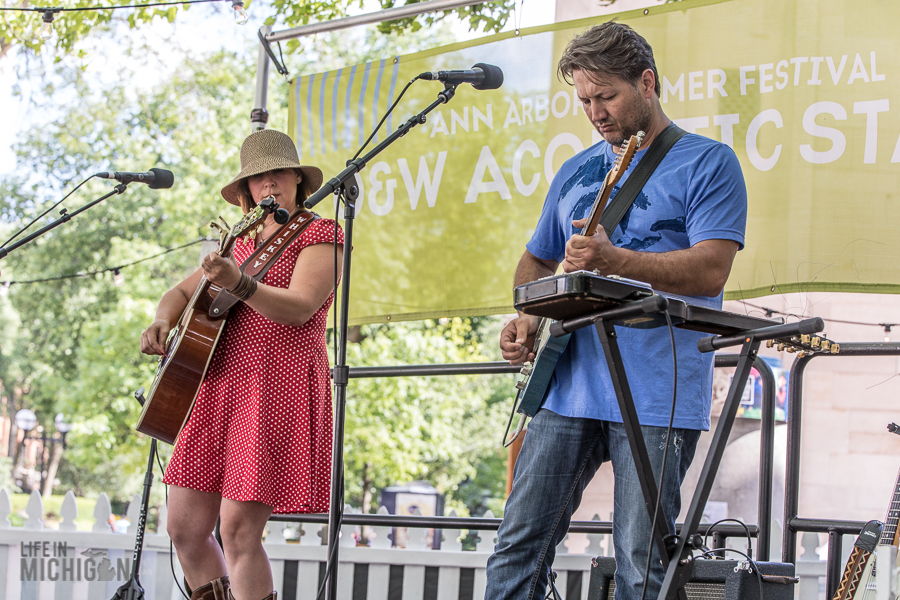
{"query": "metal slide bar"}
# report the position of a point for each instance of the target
(792, 523)
(389, 14)
(476, 523)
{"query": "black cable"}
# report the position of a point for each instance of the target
(107, 269)
(35, 220)
(662, 472)
(381, 122)
(742, 524)
(116, 7)
(772, 311)
(171, 547)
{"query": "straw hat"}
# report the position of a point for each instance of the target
(268, 150)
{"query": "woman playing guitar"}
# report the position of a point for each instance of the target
(259, 437)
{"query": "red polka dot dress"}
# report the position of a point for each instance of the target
(261, 428)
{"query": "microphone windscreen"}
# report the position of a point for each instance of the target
(493, 77)
(163, 180)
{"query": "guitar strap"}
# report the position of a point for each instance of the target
(258, 263)
(627, 194)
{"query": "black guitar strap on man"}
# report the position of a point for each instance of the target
(629, 191)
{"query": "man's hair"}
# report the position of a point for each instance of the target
(609, 49)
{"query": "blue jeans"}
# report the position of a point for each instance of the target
(558, 458)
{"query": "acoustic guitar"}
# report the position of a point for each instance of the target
(190, 347)
(533, 387)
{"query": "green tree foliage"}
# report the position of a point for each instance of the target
(21, 28)
(71, 345)
(436, 429)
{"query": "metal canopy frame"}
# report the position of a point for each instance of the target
(259, 115)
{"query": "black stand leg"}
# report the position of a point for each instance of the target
(678, 571)
(341, 378)
(131, 589)
(607, 333)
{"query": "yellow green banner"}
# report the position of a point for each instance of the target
(800, 89)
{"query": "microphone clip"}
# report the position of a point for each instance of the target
(281, 215)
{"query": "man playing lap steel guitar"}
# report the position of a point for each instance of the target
(680, 235)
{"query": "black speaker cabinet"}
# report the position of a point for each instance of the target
(711, 580)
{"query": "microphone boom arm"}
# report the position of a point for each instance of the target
(357, 165)
(64, 217)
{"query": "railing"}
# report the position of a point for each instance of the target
(838, 531)
(33, 558)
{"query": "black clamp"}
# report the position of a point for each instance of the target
(341, 375)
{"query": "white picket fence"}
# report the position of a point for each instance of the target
(37, 563)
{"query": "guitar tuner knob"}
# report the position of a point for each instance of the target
(526, 371)
(770, 343)
(826, 345)
(520, 385)
(780, 347)
(835, 348)
(791, 349)
(804, 339)
(815, 342)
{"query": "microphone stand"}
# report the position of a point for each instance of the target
(341, 371)
(65, 216)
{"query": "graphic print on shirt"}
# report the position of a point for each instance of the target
(588, 177)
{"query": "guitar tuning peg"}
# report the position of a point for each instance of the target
(780, 347)
(770, 343)
(826, 345)
(791, 349)
(835, 348)
(815, 342)
(804, 339)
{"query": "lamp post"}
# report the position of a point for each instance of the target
(27, 421)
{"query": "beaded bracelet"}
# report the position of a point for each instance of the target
(245, 288)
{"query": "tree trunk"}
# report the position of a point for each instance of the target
(56, 452)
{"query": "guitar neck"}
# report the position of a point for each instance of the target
(597, 209)
(889, 533)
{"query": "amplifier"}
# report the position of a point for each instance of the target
(711, 580)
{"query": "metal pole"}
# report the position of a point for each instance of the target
(390, 14)
(259, 116)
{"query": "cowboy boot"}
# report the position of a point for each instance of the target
(272, 596)
(217, 589)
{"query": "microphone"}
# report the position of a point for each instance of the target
(155, 178)
(481, 76)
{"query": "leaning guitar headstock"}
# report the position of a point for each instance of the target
(804, 345)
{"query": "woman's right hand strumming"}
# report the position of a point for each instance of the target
(153, 340)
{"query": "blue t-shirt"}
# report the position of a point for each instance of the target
(697, 193)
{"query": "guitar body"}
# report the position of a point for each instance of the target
(190, 346)
(539, 380)
(182, 370)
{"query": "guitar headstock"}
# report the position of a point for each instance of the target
(623, 158)
(805, 345)
(250, 224)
